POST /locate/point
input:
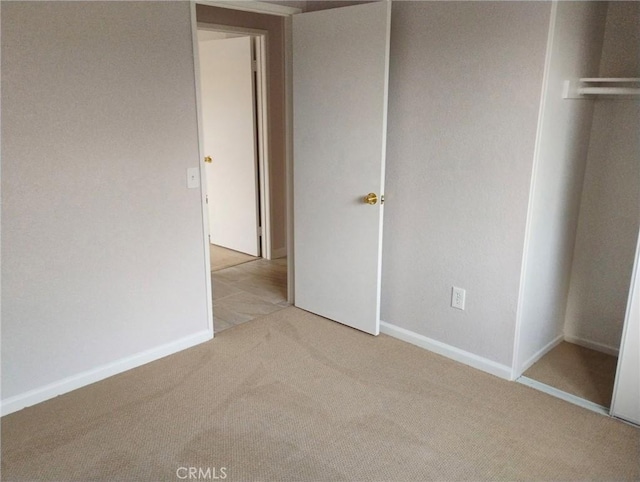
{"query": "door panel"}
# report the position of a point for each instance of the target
(229, 128)
(626, 394)
(340, 83)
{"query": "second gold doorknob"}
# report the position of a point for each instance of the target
(208, 159)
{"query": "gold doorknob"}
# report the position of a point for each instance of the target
(371, 198)
(208, 159)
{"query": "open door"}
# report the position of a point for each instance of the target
(229, 140)
(340, 85)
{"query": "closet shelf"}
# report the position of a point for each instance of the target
(587, 87)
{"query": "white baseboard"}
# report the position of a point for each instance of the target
(540, 353)
(448, 351)
(37, 395)
(278, 253)
(609, 350)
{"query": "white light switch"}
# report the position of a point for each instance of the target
(193, 177)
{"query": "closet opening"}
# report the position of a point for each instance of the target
(584, 218)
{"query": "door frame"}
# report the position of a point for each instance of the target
(259, 43)
(252, 6)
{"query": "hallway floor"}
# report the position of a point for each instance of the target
(247, 291)
(222, 258)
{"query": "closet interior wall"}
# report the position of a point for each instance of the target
(610, 207)
(584, 211)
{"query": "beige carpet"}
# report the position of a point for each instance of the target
(294, 397)
(580, 371)
(222, 258)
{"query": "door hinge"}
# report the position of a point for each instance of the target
(206, 198)
(259, 230)
(254, 65)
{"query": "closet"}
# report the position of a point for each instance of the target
(584, 213)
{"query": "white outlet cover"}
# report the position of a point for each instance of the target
(458, 296)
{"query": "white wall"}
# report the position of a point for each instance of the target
(610, 208)
(465, 88)
(565, 126)
(102, 249)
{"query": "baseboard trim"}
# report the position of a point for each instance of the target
(448, 351)
(540, 353)
(567, 397)
(52, 390)
(601, 347)
(278, 253)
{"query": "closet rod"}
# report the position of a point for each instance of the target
(587, 86)
(608, 91)
(611, 79)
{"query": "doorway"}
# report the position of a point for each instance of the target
(248, 279)
(360, 213)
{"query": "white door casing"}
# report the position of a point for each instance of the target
(229, 138)
(340, 89)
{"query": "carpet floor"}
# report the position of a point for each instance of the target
(574, 369)
(222, 258)
(295, 397)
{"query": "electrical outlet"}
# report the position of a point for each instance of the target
(457, 298)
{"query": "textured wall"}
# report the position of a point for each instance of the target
(465, 87)
(610, 208)
(102, 249)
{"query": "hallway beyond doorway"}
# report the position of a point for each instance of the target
(222, 258)
(247, 291)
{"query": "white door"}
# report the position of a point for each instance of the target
(626, 394)
(340, 81)
(229, 130)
